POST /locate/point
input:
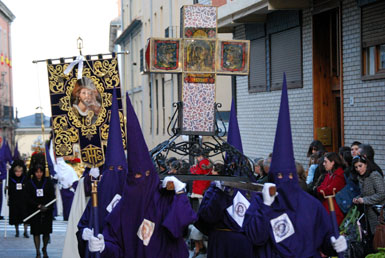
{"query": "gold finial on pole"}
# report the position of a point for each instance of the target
(330, 199)
(42, 135)
(94, 192)
(80, 45)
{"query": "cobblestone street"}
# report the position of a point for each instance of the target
(12, 247)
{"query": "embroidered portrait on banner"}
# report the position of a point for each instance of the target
(81, 106)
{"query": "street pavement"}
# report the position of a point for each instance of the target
(12, 247)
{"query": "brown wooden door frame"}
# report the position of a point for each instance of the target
(327, 75)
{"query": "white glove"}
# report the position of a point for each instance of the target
(94, 172)
(339, 244)
(87, 234)
(178, 185)
(219, 185)
(96, 244)
(267, 199)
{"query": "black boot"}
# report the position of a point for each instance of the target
(44, 249)
(45, 243)
(26, 231)
(17, 230)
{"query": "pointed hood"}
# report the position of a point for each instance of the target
(282, 169)
(234, 139)
(115, 151)
(3, 163)
(8, 152)
(234, 136)
(282, 161)
(16, 153)
(138, 156)
(141, 189)
(115, 167)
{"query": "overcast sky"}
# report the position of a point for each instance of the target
(45, 29)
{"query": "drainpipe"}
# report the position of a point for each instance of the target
(151, 76)
(172, 35)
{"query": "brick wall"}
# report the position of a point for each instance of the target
(365, 120)
(258, 112)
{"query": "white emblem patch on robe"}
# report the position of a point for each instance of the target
(282, 227)
(238, 210)
(145, 231)
(39, 192)
(113, 202)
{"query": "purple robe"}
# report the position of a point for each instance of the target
(226, 238)
(170, 212)
(296, 225)
(111, 183)
(67, 197)
(311, 223)
(144, 204)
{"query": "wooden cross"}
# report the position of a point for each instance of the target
(199, 56)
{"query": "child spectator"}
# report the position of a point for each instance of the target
(17, 204)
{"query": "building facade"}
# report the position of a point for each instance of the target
(29, 131)
(153, 95)
(333, 54)
(7, 121)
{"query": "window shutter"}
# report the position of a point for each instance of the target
(286, 57)
(141, 61)
(257, 76)
(373, 20)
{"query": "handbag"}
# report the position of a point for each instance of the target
(344, 197)
(379, 235)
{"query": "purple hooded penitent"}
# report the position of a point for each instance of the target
(8, 153)
(113, 177)
(226, 237)
(147, 222)
(16, 153)
(296, 224)
(234, 136)
(3, 165)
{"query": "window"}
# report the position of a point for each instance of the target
(373, 41)
(141, 61)
(167, 32)
(286, 57)
(257, 77)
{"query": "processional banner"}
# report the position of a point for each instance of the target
(81, 99)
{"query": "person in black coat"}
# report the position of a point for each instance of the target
(16, 202)
(40, 191)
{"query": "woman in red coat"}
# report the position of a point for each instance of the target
(334, 181)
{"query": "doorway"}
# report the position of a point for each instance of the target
(327, 82)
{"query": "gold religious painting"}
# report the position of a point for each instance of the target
(81, 107)
(199, 55)
(165, 55)
(233, 57)
(86, 101)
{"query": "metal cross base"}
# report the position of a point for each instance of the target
(237, 167)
